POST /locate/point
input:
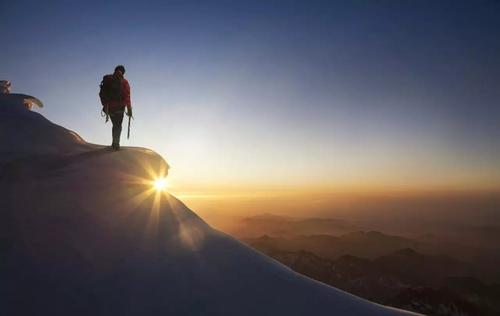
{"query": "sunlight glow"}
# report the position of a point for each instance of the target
(149, 187)
(161, 184)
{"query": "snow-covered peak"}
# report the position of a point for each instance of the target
(83, 232)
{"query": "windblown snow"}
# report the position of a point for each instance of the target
(82, 232)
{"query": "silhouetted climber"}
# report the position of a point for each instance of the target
(115, 97)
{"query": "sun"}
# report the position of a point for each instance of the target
(160, 184)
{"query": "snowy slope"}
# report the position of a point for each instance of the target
(80, 234)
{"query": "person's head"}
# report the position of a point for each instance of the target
(120, 68)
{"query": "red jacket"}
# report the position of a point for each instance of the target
(125, 102)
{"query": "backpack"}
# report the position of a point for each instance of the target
(110, 89)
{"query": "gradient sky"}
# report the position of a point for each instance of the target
(323, 95)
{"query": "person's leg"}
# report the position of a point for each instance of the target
(116, 119)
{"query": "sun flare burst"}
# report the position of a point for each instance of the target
(160, 184)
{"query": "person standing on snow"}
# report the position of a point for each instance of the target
(115, 97)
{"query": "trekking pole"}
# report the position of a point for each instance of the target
(128, 130)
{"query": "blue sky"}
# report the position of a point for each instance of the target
(303, 93)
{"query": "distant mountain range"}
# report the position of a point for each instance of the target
(430, 273)
(432, 285)
(333, 238)
(372, 245)
(472, 236)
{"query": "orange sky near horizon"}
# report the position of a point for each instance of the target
(453, 207)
